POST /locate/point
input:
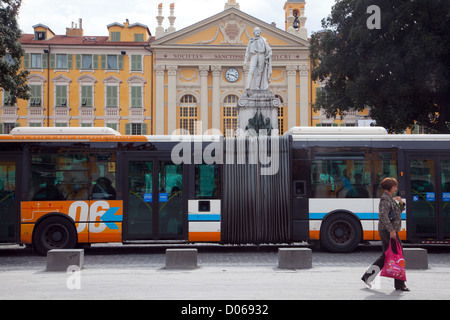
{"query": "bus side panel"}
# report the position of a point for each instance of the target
(362, 209)
(204, 220)
(95, 221)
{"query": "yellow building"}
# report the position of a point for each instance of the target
(86, 81)
(138, 84)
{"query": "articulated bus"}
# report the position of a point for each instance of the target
(65, 187)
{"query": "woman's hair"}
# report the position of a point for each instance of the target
(388, 183)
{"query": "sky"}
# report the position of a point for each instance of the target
(97, 14)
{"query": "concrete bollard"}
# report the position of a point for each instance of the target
(415, 258)
(294, 258)
(62, 259)
(181, 258)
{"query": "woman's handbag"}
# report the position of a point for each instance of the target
(394, 263)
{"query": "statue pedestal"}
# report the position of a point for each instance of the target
(258, 109)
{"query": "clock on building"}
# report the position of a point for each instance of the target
(232, 75)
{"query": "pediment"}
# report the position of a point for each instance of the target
(230, 28)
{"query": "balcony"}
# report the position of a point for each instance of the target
(9, 111)
(9, 114)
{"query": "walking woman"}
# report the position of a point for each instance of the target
(389, 224)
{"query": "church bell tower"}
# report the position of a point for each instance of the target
(295, 18)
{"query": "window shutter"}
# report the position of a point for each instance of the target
(136, 63)
(136, 97)
(58, 96)
(70, 61)
(44, 61)
(108, 95)
(127, 129)
(103, 62)
(90, 101)
(95, 61)
(144, 129)
(78, 61)
(26, 61)
(52, 61)
(120, 62)
(111, 96)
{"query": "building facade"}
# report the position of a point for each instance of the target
(185, 81)
(199, 73)
(85, 81)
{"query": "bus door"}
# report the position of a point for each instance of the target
(8, 199)
(154, 199)
(428, 202)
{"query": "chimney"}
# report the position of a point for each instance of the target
(75, 31)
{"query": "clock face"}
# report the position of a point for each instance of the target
(232, 75)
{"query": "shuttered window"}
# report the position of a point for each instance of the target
(111, 96)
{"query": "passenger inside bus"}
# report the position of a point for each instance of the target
(103, 189)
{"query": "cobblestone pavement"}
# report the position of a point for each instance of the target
(153, 256)
(116, 272)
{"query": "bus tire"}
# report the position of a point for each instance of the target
(54, 233)
(340, 233)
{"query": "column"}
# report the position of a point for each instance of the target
(292, 96)
(172, 99)
(204, 114)
(216, 72)
(304, 101)
(159, 112)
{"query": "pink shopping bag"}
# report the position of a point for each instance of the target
(394, 264)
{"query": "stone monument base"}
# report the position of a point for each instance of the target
(258, 109)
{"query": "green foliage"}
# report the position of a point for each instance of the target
(401, 72)
(11, 78)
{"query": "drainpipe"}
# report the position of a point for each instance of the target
(47, 51)
(149, 49)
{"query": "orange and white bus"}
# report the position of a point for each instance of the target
(63, 187)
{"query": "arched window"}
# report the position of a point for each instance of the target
(281, 116)
(229, 115)
(188, 114)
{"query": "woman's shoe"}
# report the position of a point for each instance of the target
(403, 289)
(365, 279)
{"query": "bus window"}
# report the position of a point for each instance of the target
(103, 172)
(59, 177)
(341, 178)
(384, 165)
(207, 182)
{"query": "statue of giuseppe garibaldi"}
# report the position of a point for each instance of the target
(260, 55)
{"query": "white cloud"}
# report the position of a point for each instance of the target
(97, 14)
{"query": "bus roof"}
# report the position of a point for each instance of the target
(103, 134)
(64, 131)
(337, 130)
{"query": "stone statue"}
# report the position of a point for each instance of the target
(260, 55)
(257, 123)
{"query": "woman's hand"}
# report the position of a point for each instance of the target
(393, 234)
(399, 200)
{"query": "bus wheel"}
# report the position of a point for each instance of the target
(54, 233)
(340, 233)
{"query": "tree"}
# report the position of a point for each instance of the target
(400, 72)
(11, 78)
